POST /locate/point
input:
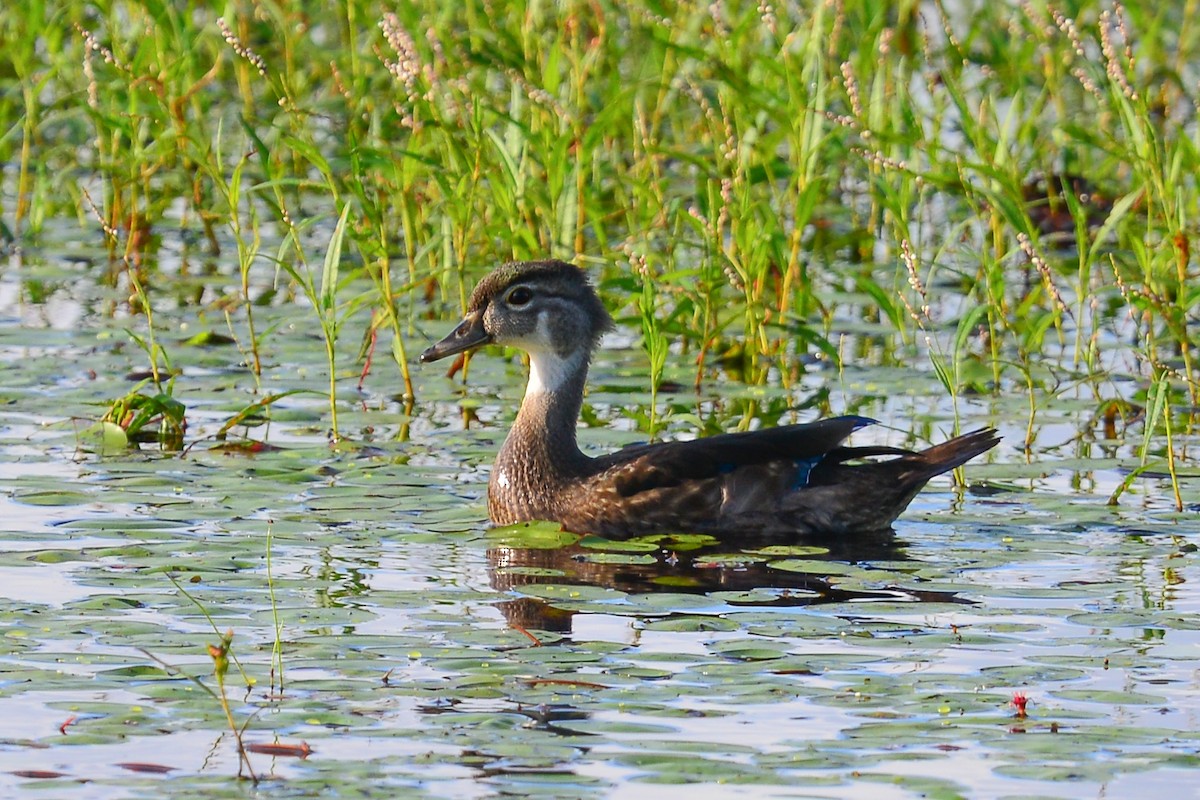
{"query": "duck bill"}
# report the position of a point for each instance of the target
(467, 336)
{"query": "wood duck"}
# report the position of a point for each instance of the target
(789, 481)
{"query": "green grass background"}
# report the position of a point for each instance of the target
(989, 188)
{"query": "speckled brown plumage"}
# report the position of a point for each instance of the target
(788, 481)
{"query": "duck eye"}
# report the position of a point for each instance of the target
(519, 296)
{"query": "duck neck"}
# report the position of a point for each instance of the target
(541, 451)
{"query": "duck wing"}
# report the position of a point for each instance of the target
(791, 481)
(792, 449)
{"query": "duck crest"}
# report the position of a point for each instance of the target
(790, 481)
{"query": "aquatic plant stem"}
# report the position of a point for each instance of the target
(220, 656)
(277, 678)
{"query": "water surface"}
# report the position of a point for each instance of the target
(423, 654)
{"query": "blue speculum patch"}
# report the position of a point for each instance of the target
(804, 468)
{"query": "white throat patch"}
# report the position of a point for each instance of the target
(548, 371)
